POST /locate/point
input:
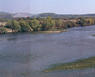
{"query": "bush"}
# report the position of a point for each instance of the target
(14, 25)
(25, 27)
(3, 30)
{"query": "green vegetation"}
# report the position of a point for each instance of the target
(45, 24)
(35, 25)
(24, 26)
(80, 64)
(14, 25)
(3, 30)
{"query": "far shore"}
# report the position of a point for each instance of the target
(57, 31)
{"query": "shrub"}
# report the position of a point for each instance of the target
(3, 30)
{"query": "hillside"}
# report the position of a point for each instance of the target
(18, 15)
(54, 15)
(5, 15)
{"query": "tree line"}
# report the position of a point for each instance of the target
(45, 24)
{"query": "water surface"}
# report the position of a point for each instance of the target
(28, 54)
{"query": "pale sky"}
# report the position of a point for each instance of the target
(52, 6)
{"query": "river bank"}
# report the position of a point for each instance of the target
(10, 31)
(59, 31)
(76, 65)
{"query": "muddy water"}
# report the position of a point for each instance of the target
(27, 54)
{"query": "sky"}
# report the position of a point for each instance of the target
(48, 6)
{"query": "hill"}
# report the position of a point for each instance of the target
(54, 15)
(18, 15)
(5, 15)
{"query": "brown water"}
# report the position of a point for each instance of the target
(28, 54)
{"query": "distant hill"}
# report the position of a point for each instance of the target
(18, 15)
(54, 15)
(42, 15)
(89, 15)
(5, 15)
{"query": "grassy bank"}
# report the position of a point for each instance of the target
(56, 31)
(6, 31)
(79, 64)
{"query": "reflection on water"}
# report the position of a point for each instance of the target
(27, 54)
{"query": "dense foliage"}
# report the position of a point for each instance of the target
(46, 24)
(3, 30)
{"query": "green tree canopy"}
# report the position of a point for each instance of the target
(49, 23)
(3, 30)
(35, 25)
(25, 27)
(14, 25)
(82, 21)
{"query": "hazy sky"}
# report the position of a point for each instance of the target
(55, 6)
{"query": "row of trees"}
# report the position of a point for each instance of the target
(44, 24)
(31, 25)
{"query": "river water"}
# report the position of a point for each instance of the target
(28, 54)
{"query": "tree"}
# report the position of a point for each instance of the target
(49, 23)
(3, 30)
(35, 25)
(59, 23)
(82, 22)
(90, 21)
(25, 26)
(14, 25)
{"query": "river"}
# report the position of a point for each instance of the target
(28, 54)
